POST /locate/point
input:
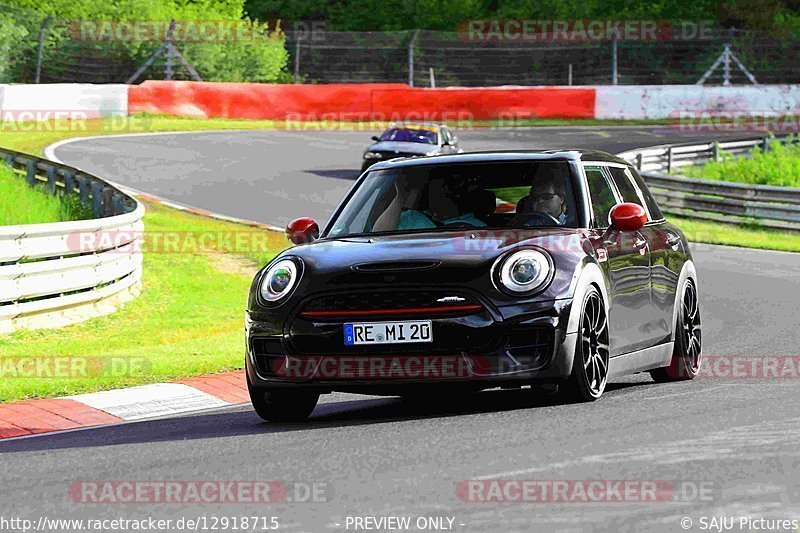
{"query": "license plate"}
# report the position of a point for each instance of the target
(388, 332)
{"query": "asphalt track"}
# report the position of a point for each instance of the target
(736, 439)
(276, 176)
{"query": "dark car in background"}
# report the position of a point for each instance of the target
(411, 139)
(473, 271)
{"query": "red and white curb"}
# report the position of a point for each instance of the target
(33, 417)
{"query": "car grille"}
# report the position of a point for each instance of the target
(392, 155)
(391, 305)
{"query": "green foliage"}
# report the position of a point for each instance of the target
(780, 165)
(371, 15)
(15, 42)
(231, 60)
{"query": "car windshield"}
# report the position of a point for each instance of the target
(411, 135)
(440, 197)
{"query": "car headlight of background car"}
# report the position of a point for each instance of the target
(372, 155)
(523, 272)
(279, 280)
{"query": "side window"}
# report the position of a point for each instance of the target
(650, 202)
(602, 195)
(626, 187)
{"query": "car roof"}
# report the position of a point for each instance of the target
(575, 155)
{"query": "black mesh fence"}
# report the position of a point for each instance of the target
(446, 59)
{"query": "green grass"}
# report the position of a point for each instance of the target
(32, 205)
(188, 319)
(780, 166)
(735, 235)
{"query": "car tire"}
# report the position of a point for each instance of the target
(687, 350)
(589, 376)
(282, 405)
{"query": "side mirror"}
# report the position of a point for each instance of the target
(375, 138)
(628, 217)
(302, 230)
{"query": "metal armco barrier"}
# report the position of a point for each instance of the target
(722, 201)
(60, 273)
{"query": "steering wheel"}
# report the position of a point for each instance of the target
(541, 219)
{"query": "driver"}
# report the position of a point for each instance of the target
(547, 196)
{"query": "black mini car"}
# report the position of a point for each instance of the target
(465, 272)
(409, 139)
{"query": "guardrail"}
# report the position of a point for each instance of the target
(721, 201)
(60, 273)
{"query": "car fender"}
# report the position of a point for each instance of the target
(590, 273)
(687, 271)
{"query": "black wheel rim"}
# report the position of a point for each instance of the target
(594, 344)
(690, 327)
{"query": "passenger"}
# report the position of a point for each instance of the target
(446, 206)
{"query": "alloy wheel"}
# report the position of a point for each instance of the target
(594, 344)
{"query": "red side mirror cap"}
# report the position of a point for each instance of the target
(628, 217)
(302, 230)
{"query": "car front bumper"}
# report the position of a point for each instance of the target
(513, 346)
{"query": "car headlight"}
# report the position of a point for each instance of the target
(279, 280)
(524, 271)
(372, 155)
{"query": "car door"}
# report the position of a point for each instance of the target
(626, 258)
(666, 250)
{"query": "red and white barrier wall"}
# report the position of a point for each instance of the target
(357, 101)
(387, 101)
(360, 101)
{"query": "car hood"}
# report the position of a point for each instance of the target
(463, 258)
(402, 147)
